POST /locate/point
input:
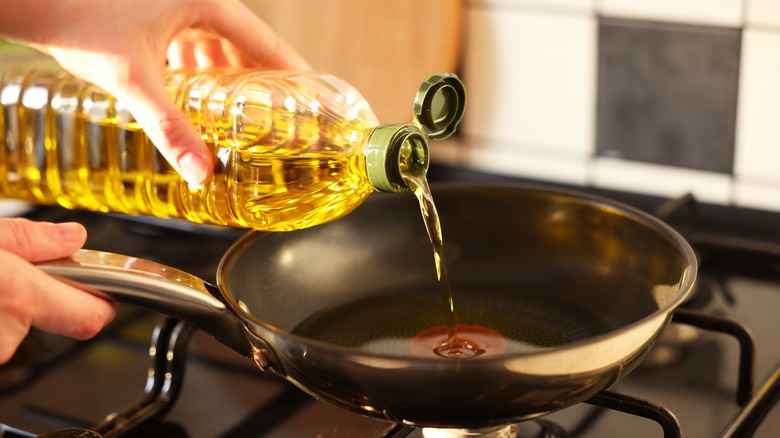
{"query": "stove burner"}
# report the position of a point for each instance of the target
(538, 428)
(509, 431)
(71, 433)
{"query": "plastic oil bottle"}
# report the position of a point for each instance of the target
(291, 149)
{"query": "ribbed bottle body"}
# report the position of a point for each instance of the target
(287, 147)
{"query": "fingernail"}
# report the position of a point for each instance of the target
(70, 231)
(193, 167)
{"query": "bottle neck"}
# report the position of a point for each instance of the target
(393, 151)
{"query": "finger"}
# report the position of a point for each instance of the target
(237, 58)
(262, 44)
(208, 53)
(180, 54)
(38, 241)
(29, 297)
(167, 126)
(199, 48)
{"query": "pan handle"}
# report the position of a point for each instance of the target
(153, 286)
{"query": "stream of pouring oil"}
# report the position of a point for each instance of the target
(453, 340)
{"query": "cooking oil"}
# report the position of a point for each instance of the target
(500, 318)
(291, 149)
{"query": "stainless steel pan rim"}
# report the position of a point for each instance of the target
(657, 319)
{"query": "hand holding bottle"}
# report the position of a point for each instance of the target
(29, 297)
(122, 47)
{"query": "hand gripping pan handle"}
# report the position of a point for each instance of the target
(153, 286)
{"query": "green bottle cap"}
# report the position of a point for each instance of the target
(393, 150)
(439, 105)
(396, 150)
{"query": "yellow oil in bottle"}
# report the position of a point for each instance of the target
(291, 150)
(283, 160)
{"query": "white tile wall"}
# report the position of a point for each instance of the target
(660, 180)
(762, 13)
(494, 156)
(708, 12)
(529, 76)
(530, 71)
(757, 157)
(759, 196)
(758, 118)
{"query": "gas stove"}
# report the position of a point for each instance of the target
(714, 372)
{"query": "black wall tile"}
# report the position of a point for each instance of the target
(667, 93)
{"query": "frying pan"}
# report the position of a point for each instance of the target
(591, 282)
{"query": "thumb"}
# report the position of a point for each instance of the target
(38, 241)
(168, 128)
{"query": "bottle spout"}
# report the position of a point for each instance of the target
(396, 150)
(391, 152)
